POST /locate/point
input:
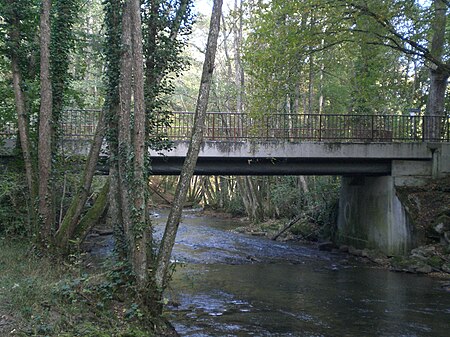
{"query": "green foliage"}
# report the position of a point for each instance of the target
(13, 205)
(64, 15)
(335, 57)
(235, 206)
(18, 39)
(318, 204)
(287, 197)
(165, 33)
(45, 298)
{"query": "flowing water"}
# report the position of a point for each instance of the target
(230, 284)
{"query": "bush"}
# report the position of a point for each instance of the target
(13, 205)
(287, 197)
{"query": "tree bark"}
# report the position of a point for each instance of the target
(141, 231)
(93, 215)
(239, 70)
(124, 123)
(22, 120)
(173, 220)
(45, 127)
(438, 75)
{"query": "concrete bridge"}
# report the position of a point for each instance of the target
(374, 154)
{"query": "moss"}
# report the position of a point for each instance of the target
(401, 262)
(435, 261)
(93, 214)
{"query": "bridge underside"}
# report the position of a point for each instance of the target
(277, 158)
(273, 166)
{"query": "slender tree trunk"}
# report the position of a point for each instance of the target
(225, 49)
(22, 120)
(93, 215)
(124, 123)
(435, 104)
(239, 71)
(113, 11)
(173, 220)
(45, 127)
(22, 123)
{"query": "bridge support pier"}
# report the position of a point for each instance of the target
(372, 216)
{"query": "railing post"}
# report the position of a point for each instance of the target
(320, 127)
(213, 126)
(424, 127)
(373, 126)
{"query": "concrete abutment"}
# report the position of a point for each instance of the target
(371, 215)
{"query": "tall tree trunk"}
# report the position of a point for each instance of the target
(173, 220)
(124, 124)
(113, 11)
(438, 75)
(45, 127)
(140, 231)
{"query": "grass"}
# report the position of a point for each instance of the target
(40, 296)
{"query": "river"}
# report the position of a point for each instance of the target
(230, 284)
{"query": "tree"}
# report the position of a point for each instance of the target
(174, 217)
(45, 124)
(133, 117)
(415, 42)
(15, 24)
(361, 56)
(56, 41)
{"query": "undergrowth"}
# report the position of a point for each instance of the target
(40, 296)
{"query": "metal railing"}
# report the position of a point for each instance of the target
(79, 123)
(7, 130)
(231, 126)
(312, 127)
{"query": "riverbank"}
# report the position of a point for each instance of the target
(428, 208)
(40, 296)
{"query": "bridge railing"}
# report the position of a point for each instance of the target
(7, 130)
(312, 127)
(80, 124)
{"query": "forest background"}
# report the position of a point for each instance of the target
(292, 57)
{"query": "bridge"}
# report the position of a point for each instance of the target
(374, 154)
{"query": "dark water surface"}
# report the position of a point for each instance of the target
(230, 284)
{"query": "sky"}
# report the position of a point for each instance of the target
(205, 6)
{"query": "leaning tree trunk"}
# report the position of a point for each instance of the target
(45, 133)
(73, 214)
(23, 129)
(173, 220)
(22, 120)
